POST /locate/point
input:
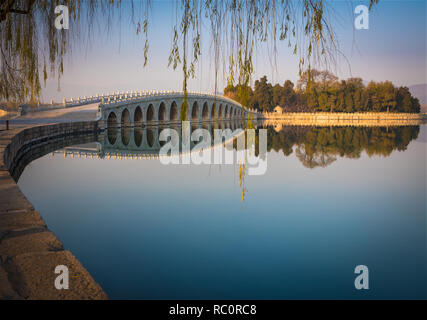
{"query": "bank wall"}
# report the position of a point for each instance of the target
(29, 251)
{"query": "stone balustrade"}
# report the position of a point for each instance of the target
(121, 96)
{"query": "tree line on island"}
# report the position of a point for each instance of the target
(321, 91)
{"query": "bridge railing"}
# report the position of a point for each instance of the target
(135, 96)
(121, 96)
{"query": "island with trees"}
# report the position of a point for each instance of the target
(321, 91)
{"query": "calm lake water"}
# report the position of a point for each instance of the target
(331, 199)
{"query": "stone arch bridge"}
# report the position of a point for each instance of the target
(138, 109)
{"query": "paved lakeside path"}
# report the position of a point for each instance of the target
(80, 113)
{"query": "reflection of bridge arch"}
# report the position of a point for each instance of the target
(128, 140)
(150, 137)
(125, 133)
(111, 135)
(137, 137)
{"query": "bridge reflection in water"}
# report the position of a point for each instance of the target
(144, 142)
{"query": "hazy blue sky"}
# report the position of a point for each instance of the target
(394, 48)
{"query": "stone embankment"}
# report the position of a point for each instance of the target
(345, 119)
(29, 252)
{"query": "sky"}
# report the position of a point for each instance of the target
(393, 48)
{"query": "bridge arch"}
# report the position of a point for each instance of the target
(205, 112)
(137, 117)
(125, 121)
(195, 111)
(162, 112)
(112, 120)
(150, 114)
(173, 114)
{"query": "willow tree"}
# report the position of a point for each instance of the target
(31, 47)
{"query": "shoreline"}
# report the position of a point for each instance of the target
(344, 119)
(29, 251)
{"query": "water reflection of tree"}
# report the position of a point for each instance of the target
(312, 160)
(320, 146)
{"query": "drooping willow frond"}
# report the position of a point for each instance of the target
(238, 26)
(32, 48)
